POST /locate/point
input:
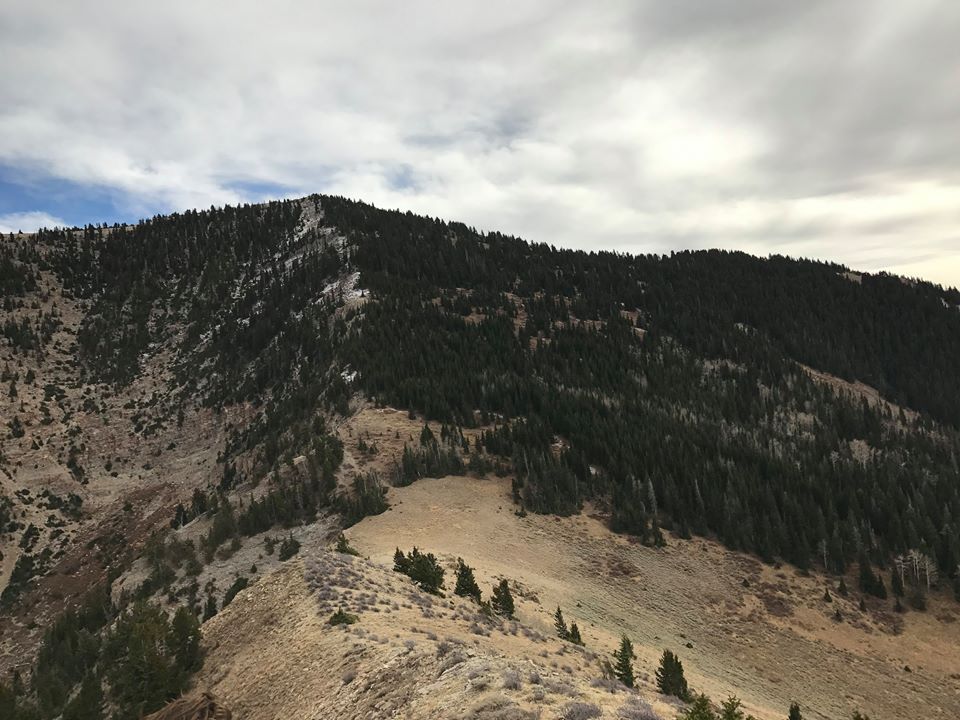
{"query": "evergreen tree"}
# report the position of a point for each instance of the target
(623, 662)
(422, 568)
(670, 678)
(731, 709)
(466, 585)
(560, 624)
(88, 703)
(575, 634)
(400, 562)
(8, 702)
(209, 608)
(867, 579)
(343, 546)
(879, 589)
(502, 599)
(185, 639)
(870, 583)
(842, 588)
(896, 584)
(795, 713)
(140, 655)
(699, 709)
(289, 547)
(426, 436)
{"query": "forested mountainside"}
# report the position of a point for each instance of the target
(706, 393)
(673, 384)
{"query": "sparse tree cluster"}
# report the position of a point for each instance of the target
(422, 568)
(572, 633)
(101, 656)
(670, 678)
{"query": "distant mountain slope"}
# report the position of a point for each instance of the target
(195, 370)
(671, 384)
(898, 336)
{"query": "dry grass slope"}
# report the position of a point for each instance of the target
(272, 653)
(741, 628)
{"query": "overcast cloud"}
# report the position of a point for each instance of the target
(815, 129)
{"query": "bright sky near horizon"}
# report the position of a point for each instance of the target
(815, 129)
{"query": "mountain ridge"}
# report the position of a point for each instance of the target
(202, 367)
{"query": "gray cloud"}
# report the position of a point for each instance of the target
(818, 129)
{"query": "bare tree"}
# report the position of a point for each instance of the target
(901, 563)
(930, 570)
(916, 560)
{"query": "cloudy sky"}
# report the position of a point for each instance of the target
(815, 129)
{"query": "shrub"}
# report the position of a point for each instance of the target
(343, 546)
(511, 680)
(559, 687)
(239, 584)
(288, 548)
(636, 709)
(580, 711)
(342, 618)
(452, 659)
(499, 707)
(607, 684)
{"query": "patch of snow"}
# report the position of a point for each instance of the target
(344, 286)
(310, 218)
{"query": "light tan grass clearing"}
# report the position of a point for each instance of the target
(771, 643)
